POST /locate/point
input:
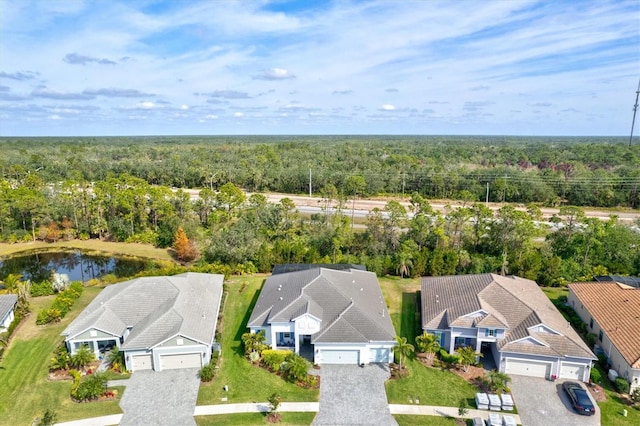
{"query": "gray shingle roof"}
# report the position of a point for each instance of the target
(349, 304)
(157, 308)
(516, 303)
(7, 303)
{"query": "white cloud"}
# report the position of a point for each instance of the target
(238, 114)
(274, 74)
(386, 107)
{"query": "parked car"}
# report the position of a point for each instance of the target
(579, 398)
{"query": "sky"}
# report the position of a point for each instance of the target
(137, 67)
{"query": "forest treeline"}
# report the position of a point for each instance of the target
(234, 234)
(553, 171)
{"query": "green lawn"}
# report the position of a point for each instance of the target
(246, 382)
(288, 419)
(404, 420)
(432, 386)
(23, 373)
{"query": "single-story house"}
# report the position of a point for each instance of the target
(159, 323)
(329, 316)
(611, 311)
(508, 318)
(8, 304)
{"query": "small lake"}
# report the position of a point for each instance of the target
(80, 267)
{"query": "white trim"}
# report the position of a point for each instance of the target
(530, 338)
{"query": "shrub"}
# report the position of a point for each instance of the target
(207, 372)
(622, 385)
(76, 382)
(635, 395)
(602, 360)
(61, 305)
(273, 358)
(91, 387)
(43, 288)
(295, 368)
(448, 358)
(49, 418)
(596, 376)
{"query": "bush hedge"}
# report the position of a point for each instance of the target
(43, 288)
(622, 385)
(273, 358)
(61, 304)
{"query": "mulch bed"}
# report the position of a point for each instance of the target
(597, 392)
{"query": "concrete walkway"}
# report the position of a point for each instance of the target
(312, 407)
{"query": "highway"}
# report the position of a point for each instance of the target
(311, 205)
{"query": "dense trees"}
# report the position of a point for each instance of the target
(577, 171)
(127, 201)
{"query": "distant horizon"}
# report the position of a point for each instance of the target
(273, 67)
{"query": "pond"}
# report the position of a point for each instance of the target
(79, 266)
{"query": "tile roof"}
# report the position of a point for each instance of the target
(7, 303)
(349, 304)
(616, 309)
(156, 309)
(517, 304)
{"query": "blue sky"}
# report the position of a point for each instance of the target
(299, 67)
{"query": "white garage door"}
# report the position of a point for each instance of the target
(141, 362)
(340, 357)
(572, 371)
(379, 355)
(171, 362)
(528, 368)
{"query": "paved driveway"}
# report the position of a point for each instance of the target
(541, 402)
(353, 395)
(160, 398)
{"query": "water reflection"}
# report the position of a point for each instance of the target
(79, 267)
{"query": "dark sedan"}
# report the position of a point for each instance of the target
(579, 398)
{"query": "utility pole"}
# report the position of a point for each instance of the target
(635, 108)
(487, 201)
(310, 190)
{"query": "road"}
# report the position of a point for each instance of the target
(311, 205)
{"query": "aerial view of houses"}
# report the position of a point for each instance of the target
(340, 212)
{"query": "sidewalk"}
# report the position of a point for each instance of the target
(262, 407)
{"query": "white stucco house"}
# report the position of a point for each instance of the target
(611, 311)
(8, 304)
(159, 323)
(329, 316)
(508, 318)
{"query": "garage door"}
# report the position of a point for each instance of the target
(171, 362)
(528, 368)
(379, 355)
(141, 362)
(572, 371)
(340, 357)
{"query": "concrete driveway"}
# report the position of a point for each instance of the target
(541, 402)
(160, 398)
(353, 395)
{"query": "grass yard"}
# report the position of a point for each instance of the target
(90, 246)
(23, 372)
(404, 420)
(288, 419)
(247, 383)
(432, 386)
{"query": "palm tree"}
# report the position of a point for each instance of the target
(427, 343)
(82, 357)
(498, 381)
(11, 282)
(403, 349)
(467, 357)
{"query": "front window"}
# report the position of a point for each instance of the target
(439, 335)
(489, 332)
(600, 335)
(591, 323)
